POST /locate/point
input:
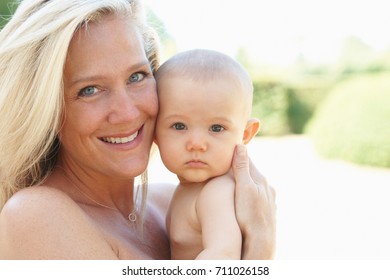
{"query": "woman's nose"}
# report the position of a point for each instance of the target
(123, 107)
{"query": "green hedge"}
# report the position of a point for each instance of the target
(283, 107)
(353, 123)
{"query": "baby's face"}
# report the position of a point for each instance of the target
(198, 126)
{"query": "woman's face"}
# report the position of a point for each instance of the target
(110, 100)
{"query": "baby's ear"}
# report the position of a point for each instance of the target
(251, 129)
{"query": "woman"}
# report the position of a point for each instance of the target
(78, 100)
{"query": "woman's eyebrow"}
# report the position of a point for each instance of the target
(96, 77)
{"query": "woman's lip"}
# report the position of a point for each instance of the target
(121, 138)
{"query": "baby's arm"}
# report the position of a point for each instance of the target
(221, 235)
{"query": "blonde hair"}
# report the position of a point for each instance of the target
(33, 50)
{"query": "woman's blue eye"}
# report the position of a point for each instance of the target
(216, 128)
(136, 77)
(179, 126)
(88, 91)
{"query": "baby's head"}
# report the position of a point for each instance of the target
(205, 101)
(207, 68)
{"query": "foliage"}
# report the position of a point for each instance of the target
(7, 7)
(284, 107)
(353, 123)
(286, 102)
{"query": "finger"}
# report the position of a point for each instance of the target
(240, 166)
(255, 174)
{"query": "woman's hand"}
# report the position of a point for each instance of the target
(255, 208)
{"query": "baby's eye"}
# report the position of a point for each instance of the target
(88, 91)
(137, 77)
(216, 128)
(179, 126)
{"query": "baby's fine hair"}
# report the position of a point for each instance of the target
(205, 65)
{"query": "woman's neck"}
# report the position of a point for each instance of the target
(92, 188)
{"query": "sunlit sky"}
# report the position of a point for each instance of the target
(275, 31)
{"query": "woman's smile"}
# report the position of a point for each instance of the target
(120, 140)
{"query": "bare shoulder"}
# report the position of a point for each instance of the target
(216, 192)
(37, 197)
(35, 204)
(45, 223)
(222, 183)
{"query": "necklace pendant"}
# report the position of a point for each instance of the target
(132, 217)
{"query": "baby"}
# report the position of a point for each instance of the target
(205, 101)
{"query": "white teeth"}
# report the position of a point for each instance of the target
(117, 140)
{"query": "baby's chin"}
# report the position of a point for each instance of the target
(199, 178)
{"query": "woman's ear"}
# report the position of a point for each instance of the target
(251, 129)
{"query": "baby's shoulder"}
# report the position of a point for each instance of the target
(221, 181)
(218, 187)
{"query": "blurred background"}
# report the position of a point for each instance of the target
(321, 75)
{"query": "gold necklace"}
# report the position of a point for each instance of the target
(132, 217)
